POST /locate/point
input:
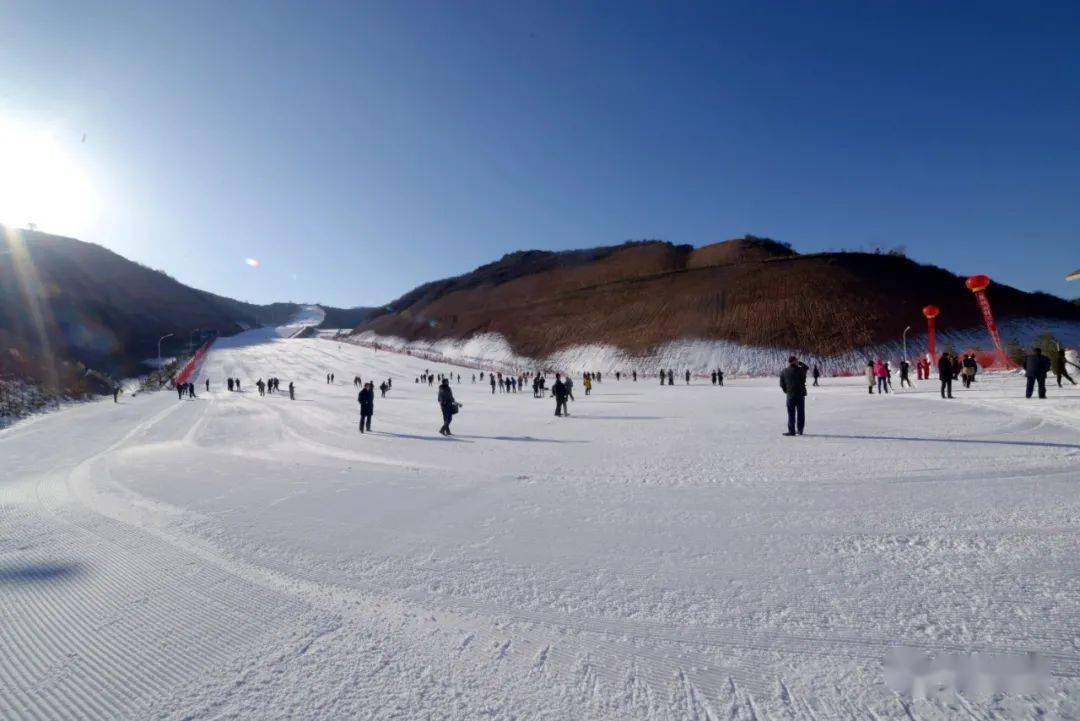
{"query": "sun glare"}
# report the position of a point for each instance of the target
(41, 185)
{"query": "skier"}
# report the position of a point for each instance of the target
(569, 389)
(719, 377)
(713, 377)
(207, 385)
(945, 375)
(191, 389)
(969, 367)
(670, 377)
(870, 375)
(662, 376)
(382, 389)
(559, 391)
(687, 376)
(491, 377)
(793, 383)
(238, 386)
(331, 378)
(1036, 366)
(448, 406)
(635, 376)
(229, 383)
(292, 391)
(905, 369)
(366, 399)
(618, 376)
(1058, 366)
(882, 376)
(816, 373)
(180, 388)
(587, 382)
(116, 394)
(261, 386)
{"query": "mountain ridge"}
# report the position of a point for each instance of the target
(753, 291)
(67, 305)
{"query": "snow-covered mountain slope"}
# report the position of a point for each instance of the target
(663, 553)
(700, 356)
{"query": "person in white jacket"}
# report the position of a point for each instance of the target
(870, 376)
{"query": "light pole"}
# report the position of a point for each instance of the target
(905, 341)
(159, 348)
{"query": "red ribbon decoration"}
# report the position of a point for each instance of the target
(988, 318)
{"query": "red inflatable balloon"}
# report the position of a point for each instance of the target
(977, 283)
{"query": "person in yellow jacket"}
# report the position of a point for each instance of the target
(587, 382)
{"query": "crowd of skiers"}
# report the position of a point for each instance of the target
(793, 382)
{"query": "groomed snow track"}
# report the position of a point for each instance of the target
(661, 554)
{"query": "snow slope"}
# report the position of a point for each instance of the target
(661, 554)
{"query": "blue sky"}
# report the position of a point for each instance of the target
(357, 149)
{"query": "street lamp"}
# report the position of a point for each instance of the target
(905, 341)
(159, 348)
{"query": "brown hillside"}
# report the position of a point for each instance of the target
(753, 291)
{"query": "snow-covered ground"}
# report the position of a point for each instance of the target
(663, 553)
(702, 355)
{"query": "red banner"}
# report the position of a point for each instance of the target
(988, 317)
(930, 340)
(189, 369)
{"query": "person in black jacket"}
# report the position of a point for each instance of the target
(1036, 366)
(945, 375)
(793, 383)
(448, 406)
(366, 399)
(561, 393)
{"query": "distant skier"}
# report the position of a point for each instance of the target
(292, 391)
(261, 386)
(793, 383)
(448, 406)
(229, 383)
(559, 391)
(382, 389)
(870, 375)
(238, 386)
(207, 385)
(587, 382)
(816, 373)
(719, 377)
(713, 377)
(180, 388)
(1036, 366)
(905, 369)
(366, 399)
(116, 394)
(491, 376)
(882, 375)
(969, 367)
(670, 377)
(663, 377)
(945, 375)
(688, 377)
(634, 373)
(1058, 366)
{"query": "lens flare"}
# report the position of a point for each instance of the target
(42, 184)
(252, 262)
